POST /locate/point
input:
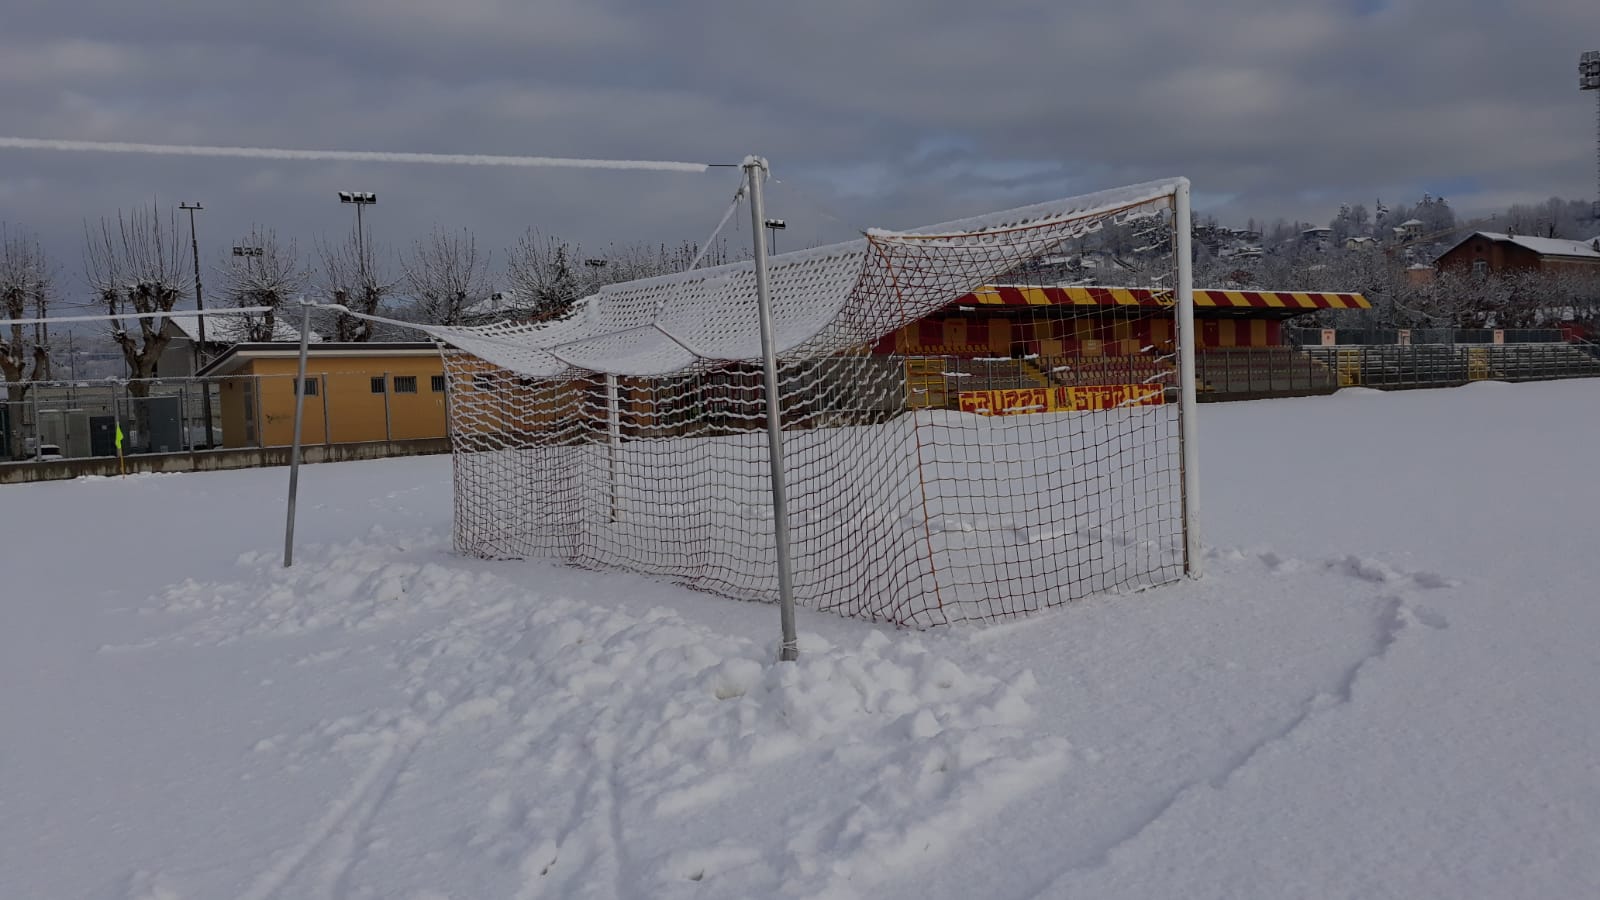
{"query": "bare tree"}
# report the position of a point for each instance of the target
(266, 275)
(542, 272)
(351, 277)
(446, 276)
(140, 266)
(25, 292)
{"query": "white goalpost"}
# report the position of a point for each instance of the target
(788, 430)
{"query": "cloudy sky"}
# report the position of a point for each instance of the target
(873, 112)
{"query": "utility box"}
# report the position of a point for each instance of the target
(102, 435)
(165, 418)
(67, 429)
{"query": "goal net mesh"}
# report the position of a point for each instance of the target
(935, 474)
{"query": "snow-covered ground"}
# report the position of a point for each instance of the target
(1388, 685)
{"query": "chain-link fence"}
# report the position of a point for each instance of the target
(82, 419)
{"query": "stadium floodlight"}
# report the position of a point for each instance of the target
(773, 227)
(1589, 80)
(246, 251)
(595, 263)
(360, 199)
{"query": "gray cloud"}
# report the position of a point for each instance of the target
(887, 113)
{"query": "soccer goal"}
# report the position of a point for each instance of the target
(962, 436)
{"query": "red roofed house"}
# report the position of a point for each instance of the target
(1484, 251)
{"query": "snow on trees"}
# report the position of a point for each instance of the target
(266, 274)
(139, 265)
(351, 277)
(446, 277)
(25, 292)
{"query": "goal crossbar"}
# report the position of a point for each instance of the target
(941, 464)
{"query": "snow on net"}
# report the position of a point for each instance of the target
(929, 482)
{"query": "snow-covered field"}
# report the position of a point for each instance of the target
(1388, 685)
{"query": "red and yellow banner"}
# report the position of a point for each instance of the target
(1078, 295)
(1061, 399)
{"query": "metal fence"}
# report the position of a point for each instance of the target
(81, 419)
(1312, 337)
(1245, 372)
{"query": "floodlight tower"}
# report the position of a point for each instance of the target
(1589, 80)
(360, 199)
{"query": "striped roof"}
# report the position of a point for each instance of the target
(1013, 295)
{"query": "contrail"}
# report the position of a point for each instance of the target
(438, 159)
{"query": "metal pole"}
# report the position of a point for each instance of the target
(755, 168)
(614, 430)
(299, 419)
(200, 307)
(1188, 438)
(38, 434)
(361, 245)
(327, 431)
(388, 424)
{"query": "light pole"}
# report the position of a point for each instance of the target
(199, 299)
(773, 227)
(1589, 80)
(247, 254)
(360, 199)
(200, 310)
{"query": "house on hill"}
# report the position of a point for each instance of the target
(1483, 252)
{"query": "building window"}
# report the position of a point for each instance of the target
(1480, 267)
(311, 386)
(377, 384)
(437, 384)
(405, 384)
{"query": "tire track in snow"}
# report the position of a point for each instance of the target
(1395, 617)
(270, 882)
(345, 842)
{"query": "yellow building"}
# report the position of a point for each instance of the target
(355, 392)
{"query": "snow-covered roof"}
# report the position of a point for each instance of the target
(1411, 223)
(230, 329)
(824, 299)
(1550, 246)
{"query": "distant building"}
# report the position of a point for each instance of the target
(1360, 242)
(357, 392)
(1484, 251)
(1410, 229)
(178, 360)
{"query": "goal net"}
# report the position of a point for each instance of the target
(963, 438)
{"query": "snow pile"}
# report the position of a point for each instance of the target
(603, 747)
